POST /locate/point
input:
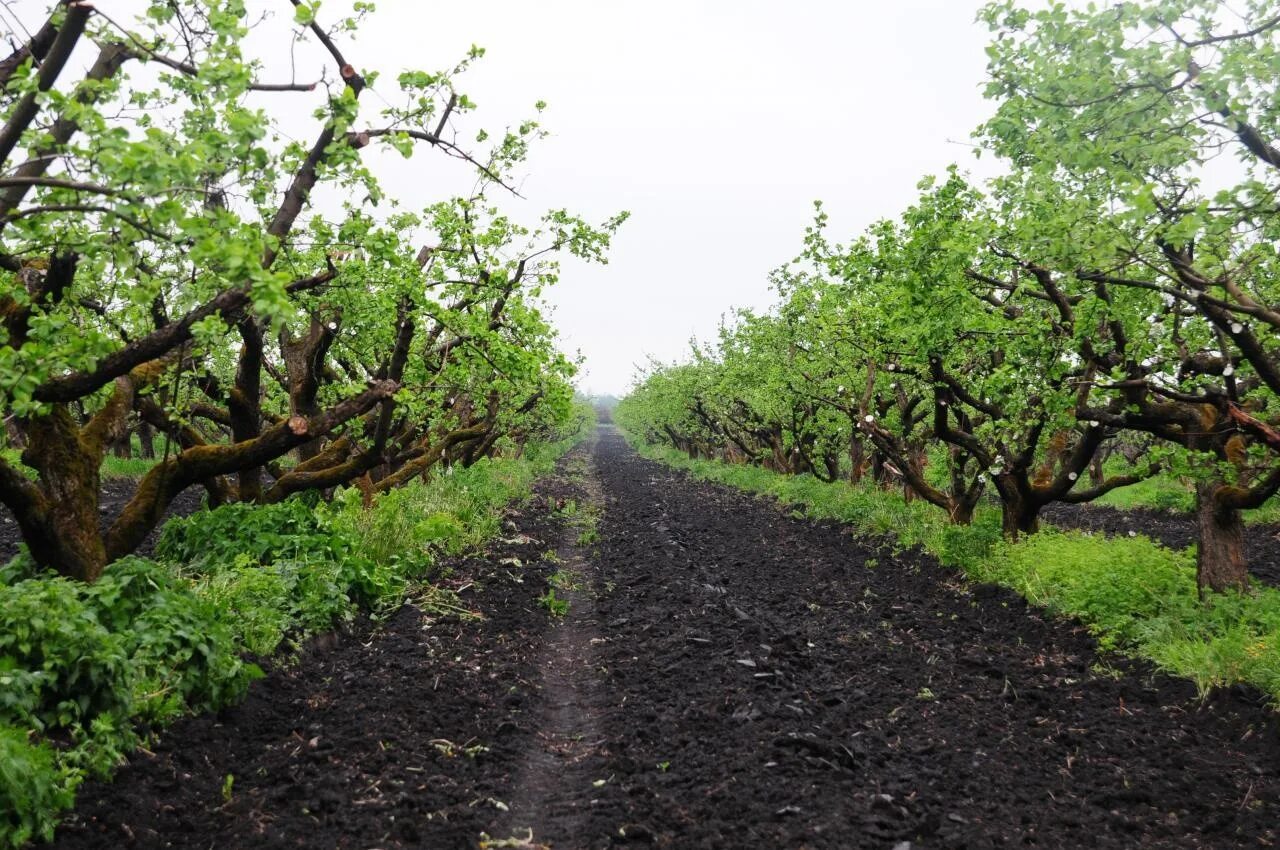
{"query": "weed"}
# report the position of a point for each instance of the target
(449, 749)
(516, 842)
(227, 783)
(563, 580)
(556, 606)
(437, 601)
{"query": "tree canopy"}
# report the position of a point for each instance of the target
(164, 263)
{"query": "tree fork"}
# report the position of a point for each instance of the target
(168, 478)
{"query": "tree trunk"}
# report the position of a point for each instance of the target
(304, 361)
(878, 472)
(244, 404)
(831, 461)
(147, 440)
(1019, 517)
(67, 539)
(64, 534)
(857, 458)
(16, 438)
(1096, 474)
(1220, 560)
(962, 512)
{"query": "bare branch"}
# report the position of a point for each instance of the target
(59, 52)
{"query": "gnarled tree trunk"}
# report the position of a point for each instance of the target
(1019, 512)
(62, 530)
(1220, 560)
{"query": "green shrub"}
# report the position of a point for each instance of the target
(449, 514)
(185, 658)
(19, 568)
(253, 601)
(135, 643)
(967, 547)
(323, 591)
(34, 789)
(64, 666)
(295, 528)
(182, 656)
(264, 604)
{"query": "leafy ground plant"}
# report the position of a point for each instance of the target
(555, 605)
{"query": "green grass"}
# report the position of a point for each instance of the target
(126, 467)
(1136, 596)
(1162, 492)
(1140, 597)
(1268, 514)
(1169, 492)
(113, 467)
(455, 511)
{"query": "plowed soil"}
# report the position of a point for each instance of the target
(725, 676)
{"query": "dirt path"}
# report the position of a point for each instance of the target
(557, 781)
(724, 676)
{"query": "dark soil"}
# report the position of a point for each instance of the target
(1173, 529)
(115, 494)
(726, 676)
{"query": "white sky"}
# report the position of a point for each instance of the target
(715, 122)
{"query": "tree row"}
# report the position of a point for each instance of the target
(1113, 292)
(188, 250)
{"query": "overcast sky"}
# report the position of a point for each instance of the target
(716, 123)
